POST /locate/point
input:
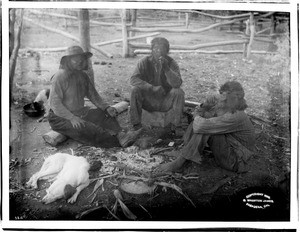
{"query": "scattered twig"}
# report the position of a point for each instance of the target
(114, 184)
(127, 168)
(104, 177)
(34, 128)
(159, 150)
(97, 185)
(134, 178)
(218, 185)
(150, 199)
(175, 187)
(278, 137)
(78, 216)
(115, 216)
(145, 210)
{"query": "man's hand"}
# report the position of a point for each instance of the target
(77, 122)
(164, 63)
(159, 90)
(112, 111)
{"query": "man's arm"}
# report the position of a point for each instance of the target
(226, 123)
(94, 96)
(137, 76)
(172, 73)
(56, 97)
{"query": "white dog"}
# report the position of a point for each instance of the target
(64, 170)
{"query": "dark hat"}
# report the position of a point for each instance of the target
(74, 51)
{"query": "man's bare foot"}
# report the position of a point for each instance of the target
(171, 166)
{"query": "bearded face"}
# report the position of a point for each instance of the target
(78, 62)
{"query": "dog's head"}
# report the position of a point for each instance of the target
(54, 192)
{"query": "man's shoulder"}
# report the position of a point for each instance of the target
(145, 59)
(60, 74)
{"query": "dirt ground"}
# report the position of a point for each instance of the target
(216, 193)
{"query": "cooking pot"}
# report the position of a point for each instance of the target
(34, 109)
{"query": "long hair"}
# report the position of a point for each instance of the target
(65, 63)
(235, 95)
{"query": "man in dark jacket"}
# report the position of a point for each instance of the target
(156, 85)
(222, 124)
(68, 114)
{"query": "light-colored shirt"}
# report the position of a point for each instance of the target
(68, 92)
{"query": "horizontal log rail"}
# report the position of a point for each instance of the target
(216, 16)
(194, 47)
(258, 39)
(136, 29)
(148, 51)
(129, 38)
(76, 18)
(65, 34)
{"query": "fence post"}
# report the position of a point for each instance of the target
(247, 32)
(84, 32)
(187, 20)
(252, 33)
(124, 34)
(272, 30)
(133, 21)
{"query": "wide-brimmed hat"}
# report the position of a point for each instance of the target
(74, 51)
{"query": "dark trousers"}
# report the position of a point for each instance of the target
(145, 98)
(222, 151)
(99, 130)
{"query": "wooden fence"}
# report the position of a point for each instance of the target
(152, 29)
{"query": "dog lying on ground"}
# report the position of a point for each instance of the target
(67, 172)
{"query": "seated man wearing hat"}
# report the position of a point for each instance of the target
(69, 116)
(156, 85)
(221, 123)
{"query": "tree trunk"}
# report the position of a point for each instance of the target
(124, 33)
(14, 56)
(12, 19)
(252, 33)
(84, 32)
